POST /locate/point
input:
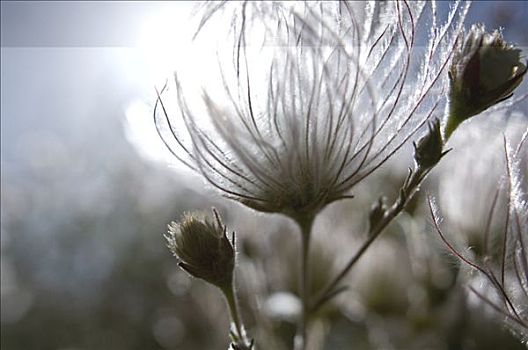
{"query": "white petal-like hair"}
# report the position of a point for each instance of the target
(316, 96)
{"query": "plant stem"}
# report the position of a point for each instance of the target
(230, 295)
(406, 193)
(305, 224)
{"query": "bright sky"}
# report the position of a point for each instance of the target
(67, 66)
(75, 61)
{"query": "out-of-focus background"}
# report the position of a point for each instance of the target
(86, 194)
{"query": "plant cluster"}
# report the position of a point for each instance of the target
(319, 96)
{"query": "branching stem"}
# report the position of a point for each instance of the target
(407, 191)
(239, 339)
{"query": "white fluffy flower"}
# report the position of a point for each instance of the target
(338, 89)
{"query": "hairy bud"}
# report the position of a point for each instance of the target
(429, 149)
(485, 70)
(203, 248)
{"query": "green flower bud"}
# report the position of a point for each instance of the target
(485, 70)
(203, 248)
(429, 149)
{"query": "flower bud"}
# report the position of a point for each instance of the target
(485, 70)
(377, 212)
(429, 149)
(203, 248)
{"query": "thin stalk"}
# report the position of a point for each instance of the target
(230, 296)
(305, 224)
(407, 191)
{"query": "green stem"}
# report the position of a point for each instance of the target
(305, 224)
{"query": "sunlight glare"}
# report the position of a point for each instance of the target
(166, 47)
(165, 38)
(141, 132)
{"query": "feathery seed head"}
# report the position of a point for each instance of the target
(203, 248)
(485, 70)
(337, 90)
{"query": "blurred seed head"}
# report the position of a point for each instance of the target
(283, 306)
(202, 246)
(499, 274)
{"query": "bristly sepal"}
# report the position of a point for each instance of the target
(430, 148)
(203, 248)
(485, 70)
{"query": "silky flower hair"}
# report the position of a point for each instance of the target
(500, 277)
(318, 96)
